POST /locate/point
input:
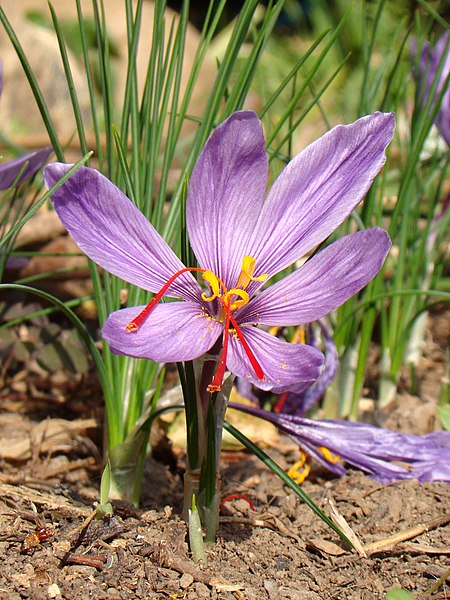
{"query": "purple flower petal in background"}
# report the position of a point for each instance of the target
(435, 62)
(14, 263)
(371, 449)
(27, 165)
(240, 240)
(297, 401)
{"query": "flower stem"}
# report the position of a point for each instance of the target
(210, 481)
(210, 476)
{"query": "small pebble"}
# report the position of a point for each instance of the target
(53, 591)
(186, 580)
(201, 590)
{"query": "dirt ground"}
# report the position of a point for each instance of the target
(50, 444)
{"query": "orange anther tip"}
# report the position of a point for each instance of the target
(213, 388)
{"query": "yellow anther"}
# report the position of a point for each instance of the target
(213, 281)
(303, 464)
(248, 268)
(299, 336)
(328, 455)
(244, 298)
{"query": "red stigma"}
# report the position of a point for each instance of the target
(137, 321)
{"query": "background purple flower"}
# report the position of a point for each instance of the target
(27, 165)
(300, 402)
(435, 63)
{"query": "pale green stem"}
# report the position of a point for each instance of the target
(346, 380)
(388, 381)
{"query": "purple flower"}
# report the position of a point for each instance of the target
(371, 449)
(240, 241)
(26, 165)
(435, 62)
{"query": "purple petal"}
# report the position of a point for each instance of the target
(299, 402)
(283, 364)
(14, 263)
(323, 283)
(366, 447)
(109, 228)
(318, 189)
(442, 52)
(226, 192)
(173, 332)
(30, 163)
(435, 63)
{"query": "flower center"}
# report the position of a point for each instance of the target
(227, 297)
(230, 300)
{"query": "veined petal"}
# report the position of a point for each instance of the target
(111, 230)
(30, 163)
(283, 364)
(226, 192)
(372, 449)
(435, 62)
(318, 189)
(323, 283)
(173, 332)
(298, 403)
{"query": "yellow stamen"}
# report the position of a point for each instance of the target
(244, 298)
(303, 464)
(248, 268)
(328, 455)
(214, 282)
(299, 336)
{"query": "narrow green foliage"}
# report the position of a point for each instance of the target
(288, 481)
(406, 200)
(147, 143)
(34, 85)
(35, 207)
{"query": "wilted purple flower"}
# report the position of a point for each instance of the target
(435, 63)
(240, 240)
(26, 165)
(369, 448)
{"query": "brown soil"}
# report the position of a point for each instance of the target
(52, 549)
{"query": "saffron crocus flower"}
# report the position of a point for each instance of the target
(26, 165)
(240, 240)
(366, 447)
(435, 63)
